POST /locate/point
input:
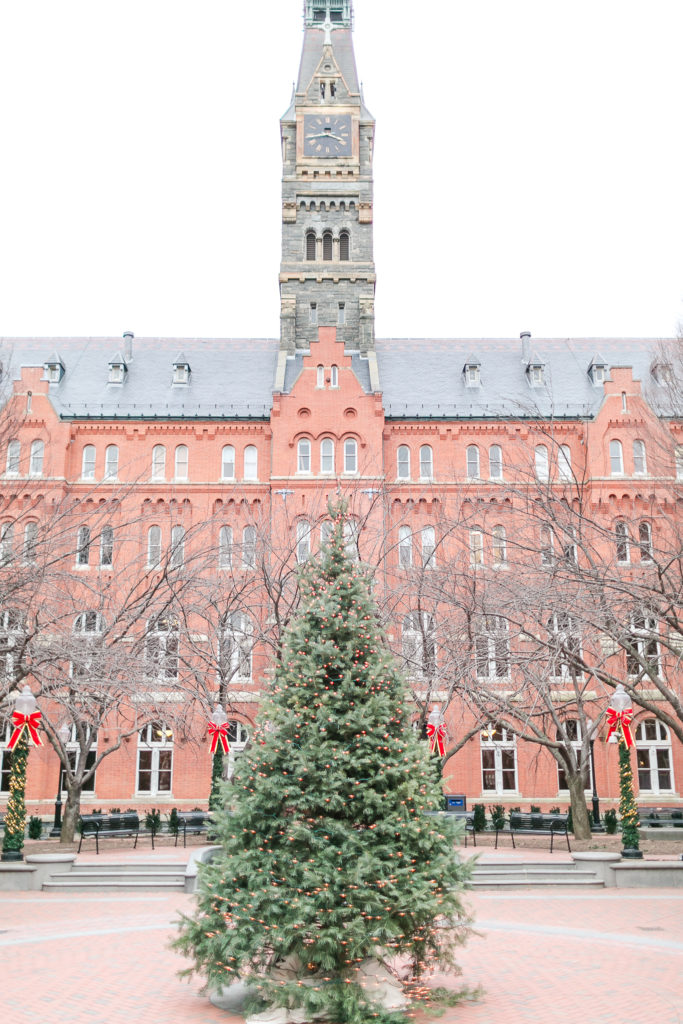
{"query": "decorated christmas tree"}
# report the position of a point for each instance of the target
(331, 873)
(628, 808)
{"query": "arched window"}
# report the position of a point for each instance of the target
(405, 547)
(498, 760)
(350, 456)
(639, 458)
(564, 463)
(418, 643)
(492, 648)
(225, 548)
(111, 462)
(159, 462)
(429, 547)
(499, 547)
(228, 463)
(653, 750)
(155, 759)
(679, 462)
(303, 541)
(249, 547)
(326, 528)
(645, 541)
(616, 458)
(334, 376)
(476, 547)
(473, 462)
(161, 648)
(310, 246)
(251, 462)
(177, 552)
(495, 462)
(426, 462)
(541, 461)
(320, 377)
(622, 542)
(13, 457)
(344, 246)
(30, 542)
(37, 457)
(181, 462)
(327, 455)
(154, 547)
(235, 646)
(6, 543)
(327, 245)
(88, 466)
(83, 546)
(304, 456)
(403, 462)
(107, 546)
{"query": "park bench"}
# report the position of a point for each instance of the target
(192, 823)
(535, 824)
(661, 817)
(468, 818)
(108, 826)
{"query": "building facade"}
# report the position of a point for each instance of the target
(517, 502)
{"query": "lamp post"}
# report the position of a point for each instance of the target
(63, 733)
(219, 747)
(597, 825)
(25, 720)
(619, 717)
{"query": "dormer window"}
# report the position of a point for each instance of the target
(54, 369)
(472, 372)
(663, 372)
(536, 373)
(117, 370)
(597, 371)
(181, 370)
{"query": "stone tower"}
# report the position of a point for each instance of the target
(327, 273)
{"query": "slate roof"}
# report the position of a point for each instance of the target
(311, 55)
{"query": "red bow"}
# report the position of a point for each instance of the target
(219, 734)
(21, 722)
(435, 736)
(621, 721)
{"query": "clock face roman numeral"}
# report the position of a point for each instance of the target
(327, 135)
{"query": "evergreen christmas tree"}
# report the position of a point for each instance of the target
(328, 860)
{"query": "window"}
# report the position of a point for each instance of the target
(5, 760)
(111, 462)
(492, 648)
(573, 733)
(496, 462)
(155, 759)
(498, 760)
(228, 463)
(107, 546)
(327, 455)
(313, 313)
(616, 458)
(403, 462)
(622, 542)
(541, 459)
(249, 547)
(429, 547)
(535, 374)
(116, 372)
(73, 753)
(159, 462)
(303, 541)
(476, 547)
(154, 547)
(88, 466)
(419, 644)
(177, 553)
(251, 462)
(653, 751)
(426, 462)
(564, 463)
(569, 548)
(83, 546)
(12, 626)
(645, 541)
(341, 314)
(639, 458)
(6, 544)
(37, 457)
(320, 377)
(30, 543)
(564, 647)
(679, 462)
(642, 654)
(238, 737)
(304, 456)
(181, 462)
(310, 246)
(472, 375)
(405, 547)
(351, 539)
(326, 529)
(473, 462)
(499, 548)
(350, 456)
(88, 629)
(327, 245)
(547, 545)
(225, 548)
(344, 246)
(235, 646)
(161, 649)
(334, 376)
(13, 457)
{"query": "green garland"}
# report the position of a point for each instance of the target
(628, 809)
(216, 779)
(15, 819)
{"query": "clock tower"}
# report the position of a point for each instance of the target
(327, 273)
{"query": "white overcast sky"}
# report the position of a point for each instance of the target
(528, 171)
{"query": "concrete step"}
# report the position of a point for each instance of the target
(532, 873)
(563, 882)
(151, 868)
(542, 866)
(90, 882)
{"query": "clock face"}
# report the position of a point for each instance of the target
(327, 134)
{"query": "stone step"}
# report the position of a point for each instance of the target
(151, 868)
(501, 869)
(532, 873)
(530, 882)
(113, 883)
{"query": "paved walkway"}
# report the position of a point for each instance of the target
(599, 957)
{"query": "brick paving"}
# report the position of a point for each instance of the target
(598, 957)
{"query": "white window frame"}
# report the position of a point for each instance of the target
(492, 648)
(498, 763)
(37, 458)
(158, 749)
(473, 462)
(83, 545)
(499, 546)
(570, 726)
(7, 543)
(228, 462)
(111, 462)
(622, 542)
(405, 547)
(418, 645)
(107, 547)
(154, 546)
(320, 376)
(251, 463)
(334, 376)
(495, 462)
(564, 631)
(88, 462)
(159, 462)
(541, 462)
(176, 554)
(476, 545)
(639, 458)
(181, 463)
(403, 462)
(161, 638)
(303, 459)
(426, 462)
(249, 547)
(225, 547)
(31, 534)
(564, 464)
(661, 743)
(13, 462)
(303, 541)
(327, 456)
(644, 632)
(428, 537)
(350, 456)
(645, 541)
(236, 643)
(616, 458)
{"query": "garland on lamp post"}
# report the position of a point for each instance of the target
(218, 733)
(15, 819)
(619, 717)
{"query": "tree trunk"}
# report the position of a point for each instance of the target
(72, 809)
(577, 796)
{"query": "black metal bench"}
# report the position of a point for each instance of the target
(661, 817)
(192, 823)
(468, 818)
(535, 824)
(107, 826)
